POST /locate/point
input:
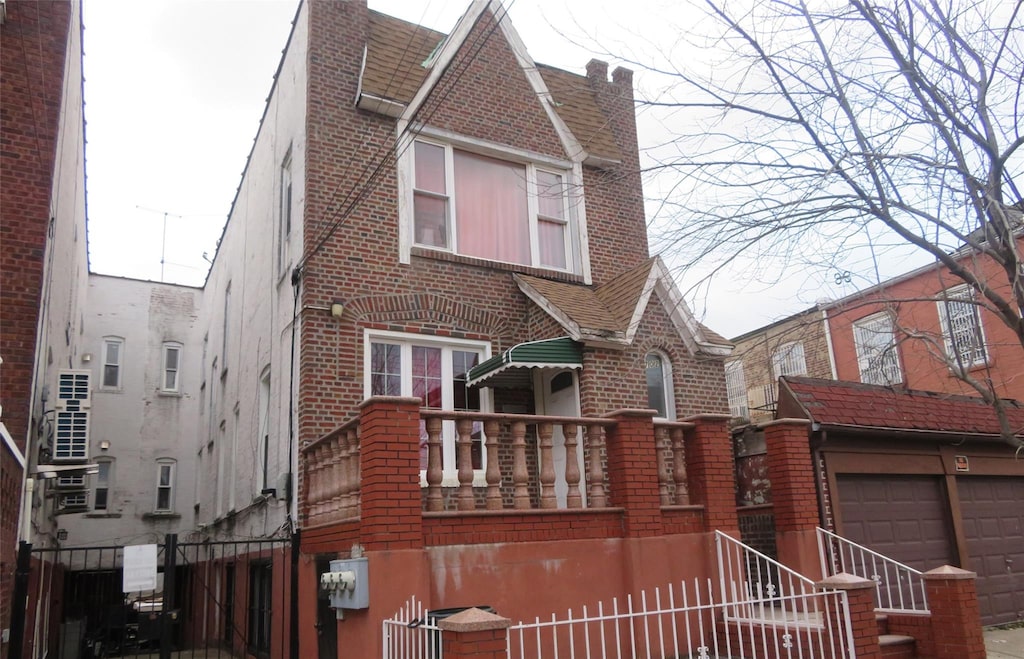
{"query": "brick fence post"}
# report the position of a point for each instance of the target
(474, 634)
(794, 495)
(711, 472)
(860, 600)
(633, 471)
(389, 460)
(956, 618)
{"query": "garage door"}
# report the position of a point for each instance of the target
(903, 517)
(993, 522)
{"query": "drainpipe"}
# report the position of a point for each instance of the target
(26, 511)
(828, 343)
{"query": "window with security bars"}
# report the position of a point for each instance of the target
(736, 388)
(874, 338)
(788, 359)
(71, 435)
(961, 327)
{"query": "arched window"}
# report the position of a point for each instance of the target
(659, 384)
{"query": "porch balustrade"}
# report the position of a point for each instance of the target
(523, 462)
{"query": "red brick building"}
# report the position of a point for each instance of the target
(904, 331)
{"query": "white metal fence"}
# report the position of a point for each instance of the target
(412, 634)
(758, 609)
(898, 587)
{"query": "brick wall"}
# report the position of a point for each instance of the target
(34, 38)
(445, 294)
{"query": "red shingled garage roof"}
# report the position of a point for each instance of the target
(834, 403)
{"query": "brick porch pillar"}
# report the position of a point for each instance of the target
(710, 471)
(794, 496)
(474, 634)
(389, 459)
(956, 618)
(633, 471)
(860, 599)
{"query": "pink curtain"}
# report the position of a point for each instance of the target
(490, 208)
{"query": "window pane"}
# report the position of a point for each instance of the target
(431, 219)
(163, 498)
(656, 384)
(385, 369)
(491, 208)
(171, 358)
(110, 376)
(550, 195)
(426, 375)
(466, 398)
(165, 475)
(113, 353)
(552, 243)
(100, 502)
(430, 168)
(171, 380)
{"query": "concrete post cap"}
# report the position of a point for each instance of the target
(473, 620)
(948, 572)
(845, 581)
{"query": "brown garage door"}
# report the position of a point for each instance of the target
(903, 517)
(993, 521)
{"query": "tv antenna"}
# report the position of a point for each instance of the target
(163, 239)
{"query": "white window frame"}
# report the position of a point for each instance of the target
(263, 458)
(574, 213)
(99, 484)
(666, 383)
(108, 341)
(877, 364)
(964, 296)
(285, 212)
(168, 347)
(450, 475)
(789, 359)
(171, 465)
(736, 389)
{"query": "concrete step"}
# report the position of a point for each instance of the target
(897, 646)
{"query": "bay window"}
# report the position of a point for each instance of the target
(435, 371)
(511, 211)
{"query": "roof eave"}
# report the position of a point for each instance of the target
(380, 105)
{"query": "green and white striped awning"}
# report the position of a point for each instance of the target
(513, 367)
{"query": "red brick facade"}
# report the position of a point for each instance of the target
(912, 302)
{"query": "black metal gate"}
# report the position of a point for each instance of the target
(212, 600)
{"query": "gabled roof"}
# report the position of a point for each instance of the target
(838, 404)
(400, 57)
(609, 315)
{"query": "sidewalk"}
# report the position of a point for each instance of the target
(1005, 643)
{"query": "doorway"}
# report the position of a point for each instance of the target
(557, 394)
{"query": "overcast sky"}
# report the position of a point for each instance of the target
(175, 90)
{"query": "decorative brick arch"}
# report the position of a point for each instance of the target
(428, 308)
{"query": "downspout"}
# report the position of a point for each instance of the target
(26, 513)
(828, 343)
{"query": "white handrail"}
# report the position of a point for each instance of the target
(898, 587)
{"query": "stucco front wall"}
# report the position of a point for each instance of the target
(520, 581)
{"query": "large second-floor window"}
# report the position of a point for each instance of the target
(875, 341)
(434, 371)
(736, 389)
(788, 359)
(961, 327)
(494, 209)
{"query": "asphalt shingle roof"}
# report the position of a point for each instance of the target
(831, 402)
(394, 70)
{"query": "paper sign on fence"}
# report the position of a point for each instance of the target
(139, 568)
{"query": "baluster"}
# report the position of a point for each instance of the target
(547, 468)
(679, 468)
(572, 466)
(316, 480)
(355, 470)
(520, 493)
(435, 500)
(660, 446)
(464, 447)
(335, 480)
(348, 485)
(595, 442)
(491, 430)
